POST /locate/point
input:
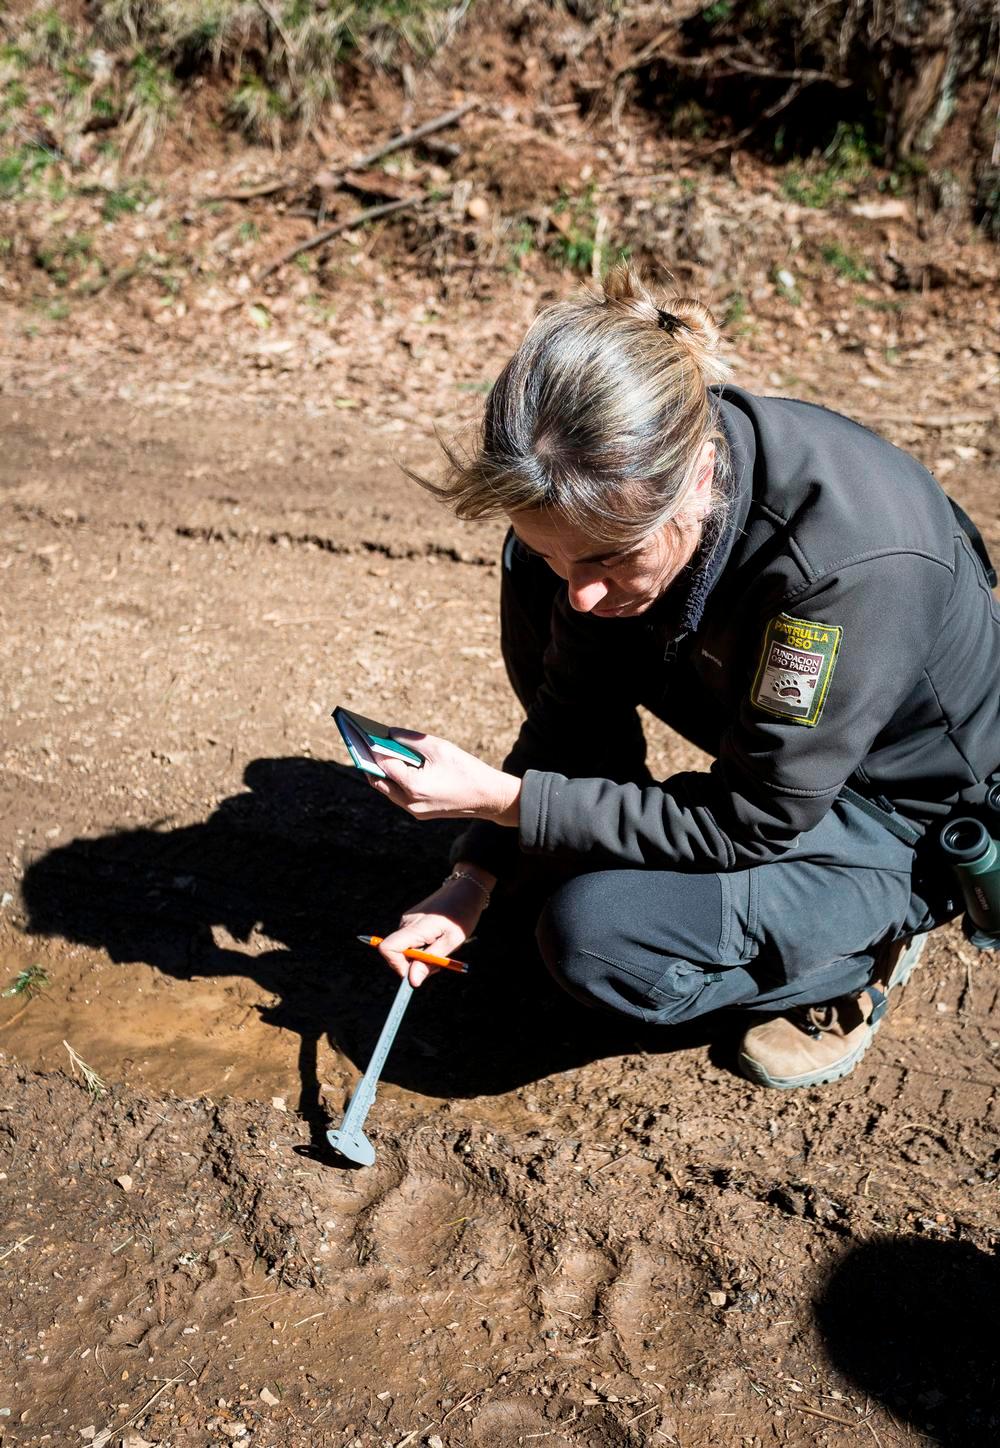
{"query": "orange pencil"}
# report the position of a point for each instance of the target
(444, 961)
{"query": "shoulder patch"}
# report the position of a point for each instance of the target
(796, 665)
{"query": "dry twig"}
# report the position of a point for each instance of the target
(408, 138)
(373, 213)
(91, 1080)
(357, 163)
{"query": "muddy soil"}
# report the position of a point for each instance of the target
(576, 1232)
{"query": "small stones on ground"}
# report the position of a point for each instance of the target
(718, 1299)
(125, 1182)
(434, 1441)
(279, 1103)
(266, 1396)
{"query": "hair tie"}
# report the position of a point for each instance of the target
(668, 322)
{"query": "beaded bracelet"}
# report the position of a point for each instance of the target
(464, 875)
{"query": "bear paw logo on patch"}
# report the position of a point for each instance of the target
(786, 686)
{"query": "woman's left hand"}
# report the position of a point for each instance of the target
(451, 784)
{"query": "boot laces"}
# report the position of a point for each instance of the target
(815, 1021)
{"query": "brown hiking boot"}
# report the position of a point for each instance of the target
(814, 1045)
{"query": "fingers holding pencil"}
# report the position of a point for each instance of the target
(442, 962)
(420, 934)
(438, 925)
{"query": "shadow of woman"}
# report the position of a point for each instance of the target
(914, 1323)
(308, 857)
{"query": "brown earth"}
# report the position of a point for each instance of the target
(191, 582)
(575, 1232)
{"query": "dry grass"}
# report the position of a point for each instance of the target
(280, 61)
(87, 1074)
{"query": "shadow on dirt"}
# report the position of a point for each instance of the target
(914, 1323)
(308, 857)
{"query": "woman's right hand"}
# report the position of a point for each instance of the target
(438, 924)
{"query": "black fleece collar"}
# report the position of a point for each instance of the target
(680, 610)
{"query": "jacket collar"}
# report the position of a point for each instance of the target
(680, 610)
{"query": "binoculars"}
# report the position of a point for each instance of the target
(972, 848)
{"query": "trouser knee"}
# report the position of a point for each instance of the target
(587, 943)
(567, 930)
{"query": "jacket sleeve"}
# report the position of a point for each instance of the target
(582, 720)
(775, 776)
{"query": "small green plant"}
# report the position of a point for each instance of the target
(714, 14)
(579, 243)
(149, 102)
(320, 308)
(66, 258)
(15, 96)
(521, 244)
(248, 231)
(257, 110)
(830, 175)
(29, 982)
(123, 202)
(845, 264)
(19, 169)
(49, 39)
(13, 58)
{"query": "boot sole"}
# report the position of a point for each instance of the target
(908, 960)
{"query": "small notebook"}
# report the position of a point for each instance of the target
(366, 739)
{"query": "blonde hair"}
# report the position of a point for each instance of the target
(599, 417)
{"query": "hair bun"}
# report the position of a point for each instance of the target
(684, 319)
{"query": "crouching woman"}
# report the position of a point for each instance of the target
(782, 587)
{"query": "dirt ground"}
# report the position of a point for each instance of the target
(575, 1233)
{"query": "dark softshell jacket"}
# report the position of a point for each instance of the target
(832, 529)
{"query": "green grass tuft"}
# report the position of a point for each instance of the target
(22, 167)
(830, 175)
(28, 982)
(123, 202)
(845, 264)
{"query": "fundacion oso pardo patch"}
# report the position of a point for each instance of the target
(796, 665)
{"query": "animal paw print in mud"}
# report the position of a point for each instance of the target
(787, 686)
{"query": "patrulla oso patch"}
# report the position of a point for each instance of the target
(796, 665)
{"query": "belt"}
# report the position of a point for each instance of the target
(889, 818)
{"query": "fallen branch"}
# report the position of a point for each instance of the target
(804, 77)
(266, 188)
(647, 52)
(373, 213)
(17, 1015)
(359, 163)
(659, 177)
(407, 138)
(830, 1417)
(731, 142)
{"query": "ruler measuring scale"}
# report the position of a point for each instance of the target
(349, 1138)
